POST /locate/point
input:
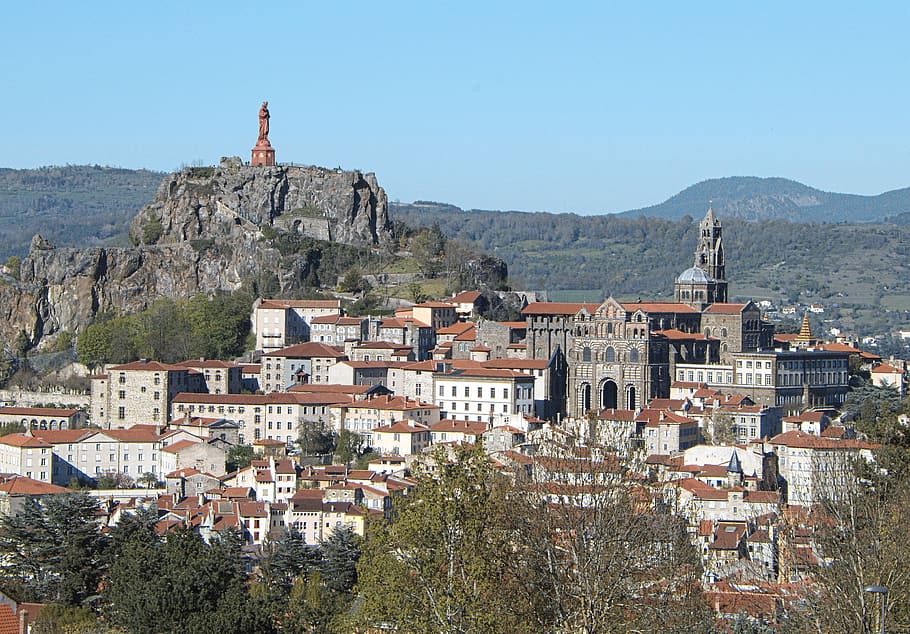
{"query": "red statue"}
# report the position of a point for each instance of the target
(263, 124)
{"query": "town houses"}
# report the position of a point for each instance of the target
(694, 405)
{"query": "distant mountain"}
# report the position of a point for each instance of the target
(753, 198)
(72, 205)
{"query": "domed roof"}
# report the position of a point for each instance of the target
(695, 275)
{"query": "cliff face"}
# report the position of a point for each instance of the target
(207, 230)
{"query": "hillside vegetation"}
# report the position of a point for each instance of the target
(75, 205)
(859, 268)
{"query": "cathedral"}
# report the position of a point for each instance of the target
(622, 355)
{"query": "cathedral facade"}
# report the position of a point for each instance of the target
(622, 355)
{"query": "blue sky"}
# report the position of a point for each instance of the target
(585, 107)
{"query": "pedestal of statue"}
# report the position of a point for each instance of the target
(263, 154)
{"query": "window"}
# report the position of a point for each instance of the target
(121, 394)
(121, 412)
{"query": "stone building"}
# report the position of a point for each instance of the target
(140, 392)
(621, 355)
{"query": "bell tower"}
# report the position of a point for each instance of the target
(709, 255)
(704, 283)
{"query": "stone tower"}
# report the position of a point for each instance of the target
(704, 283)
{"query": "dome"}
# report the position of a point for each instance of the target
(694, 275)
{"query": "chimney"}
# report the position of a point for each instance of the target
(661, 415)
(23, 621)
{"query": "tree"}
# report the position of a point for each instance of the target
(426, 246)
(63, 619)
(860, 533)
(440, 566)
(340, 554)
(12, 427)
(52, 549)
(591, 560)
(148, 480)
(347, 446)
(354, 282)
(114, 480)
(182, 582)
(12, 263)
(315, 438)
(312, 607)
(93, 346)
(722, 432)
(239, 457)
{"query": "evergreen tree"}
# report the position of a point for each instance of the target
(53, 548)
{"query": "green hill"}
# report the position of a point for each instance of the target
(753, 198)
(75, 205)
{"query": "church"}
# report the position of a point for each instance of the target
(622, 355)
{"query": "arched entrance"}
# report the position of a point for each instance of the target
(584, 398)
(608, 395)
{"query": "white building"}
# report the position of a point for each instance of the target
(498, 397)
(279, 323)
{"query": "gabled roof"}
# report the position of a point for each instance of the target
(300, 303)
(457, 328)
(401, 427)
(459, 426)
(149, 366)
(21, 485)
(464, 297)
(62, 436)
(557, 308)
(801, 439)
(22, 440)
(659, 307)
(209, 363)
(725, 309)
(37, 411)
(308, 350)
(517, 364)
(180, 445)
(674, 334)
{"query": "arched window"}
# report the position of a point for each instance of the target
(707, 332)
(586, 354)
(610, 354)
(723, 332)
(633, 355)
(609, 328)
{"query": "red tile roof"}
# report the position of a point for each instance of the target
(557, 308)
(517, 364)
(801, 439)
(209, 363)
(659, 307)
(300, 303)
(37, 411)
(149, 366)
(308, 350)
(62, 436)
(465, 297)
(401, 427)
(20, 485)
(21, 440)
(725, 309)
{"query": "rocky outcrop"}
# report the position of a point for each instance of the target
(227, 201)
(207, 230)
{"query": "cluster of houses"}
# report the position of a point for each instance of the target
(695, 403)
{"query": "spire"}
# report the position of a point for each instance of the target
(709, 218)
(805, 330)
(734, 465)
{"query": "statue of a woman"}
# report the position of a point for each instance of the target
(263, 124)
